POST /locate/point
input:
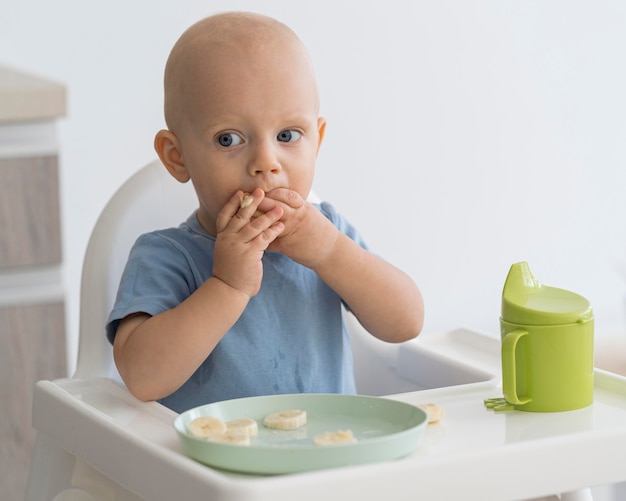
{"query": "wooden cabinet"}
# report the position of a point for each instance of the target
(32, 305)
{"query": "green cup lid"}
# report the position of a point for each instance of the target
(525, 301)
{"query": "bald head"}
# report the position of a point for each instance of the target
(214, 47)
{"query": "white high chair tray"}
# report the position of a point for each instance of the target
(473, 454)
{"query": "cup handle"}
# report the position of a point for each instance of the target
(509, 383)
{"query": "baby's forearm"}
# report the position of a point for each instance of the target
(384, 299)
(156, 355)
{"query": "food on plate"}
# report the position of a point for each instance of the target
(434, 412)
(233, 437)
(335, 438)
(285, 420)
(247, 426)
(206, 427)
(215, 430)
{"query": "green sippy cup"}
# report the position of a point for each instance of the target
(547, 345)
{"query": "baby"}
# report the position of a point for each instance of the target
(245, 297)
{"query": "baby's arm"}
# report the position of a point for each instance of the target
(384, 299)
(156, 354)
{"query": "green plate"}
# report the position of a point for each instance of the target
(385, 430)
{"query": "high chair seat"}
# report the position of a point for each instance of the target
(78, 420)
(95, 441)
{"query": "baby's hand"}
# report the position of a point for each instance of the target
(308, 236)
(242, 239)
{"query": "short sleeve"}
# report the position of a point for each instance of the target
(158, 276)
(341, 223)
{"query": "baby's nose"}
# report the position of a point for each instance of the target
(264, 159)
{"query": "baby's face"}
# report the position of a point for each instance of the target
(253, 122)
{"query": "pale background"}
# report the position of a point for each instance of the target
(463, 136)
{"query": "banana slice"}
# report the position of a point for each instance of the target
(215, 430)
(246, 201)
(335, 438)
(206, 427)
(285, 420)
(434, 412)
(247, 426)
(233, 437)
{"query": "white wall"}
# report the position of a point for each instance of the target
(463, 136)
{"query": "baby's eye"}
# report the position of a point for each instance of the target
(287, 136)
(229, 139)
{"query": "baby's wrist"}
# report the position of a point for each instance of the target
(228, 288)
(324, 251)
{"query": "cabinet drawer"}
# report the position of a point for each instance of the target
(32, 347)
(30, 229)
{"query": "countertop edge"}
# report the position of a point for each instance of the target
(25, 96)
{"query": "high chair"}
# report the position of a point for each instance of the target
(95, 441)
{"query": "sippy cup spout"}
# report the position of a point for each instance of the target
(520, 284)
(521, 276)
(526, 301)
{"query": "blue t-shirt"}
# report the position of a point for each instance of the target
(289, 339)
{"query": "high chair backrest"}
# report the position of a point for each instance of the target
(151, 199)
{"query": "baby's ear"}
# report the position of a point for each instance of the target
(321, 129)
(167, 147)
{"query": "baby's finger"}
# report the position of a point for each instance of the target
(229, 211)
(289, 198)
(271, 233)
(261, 223)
